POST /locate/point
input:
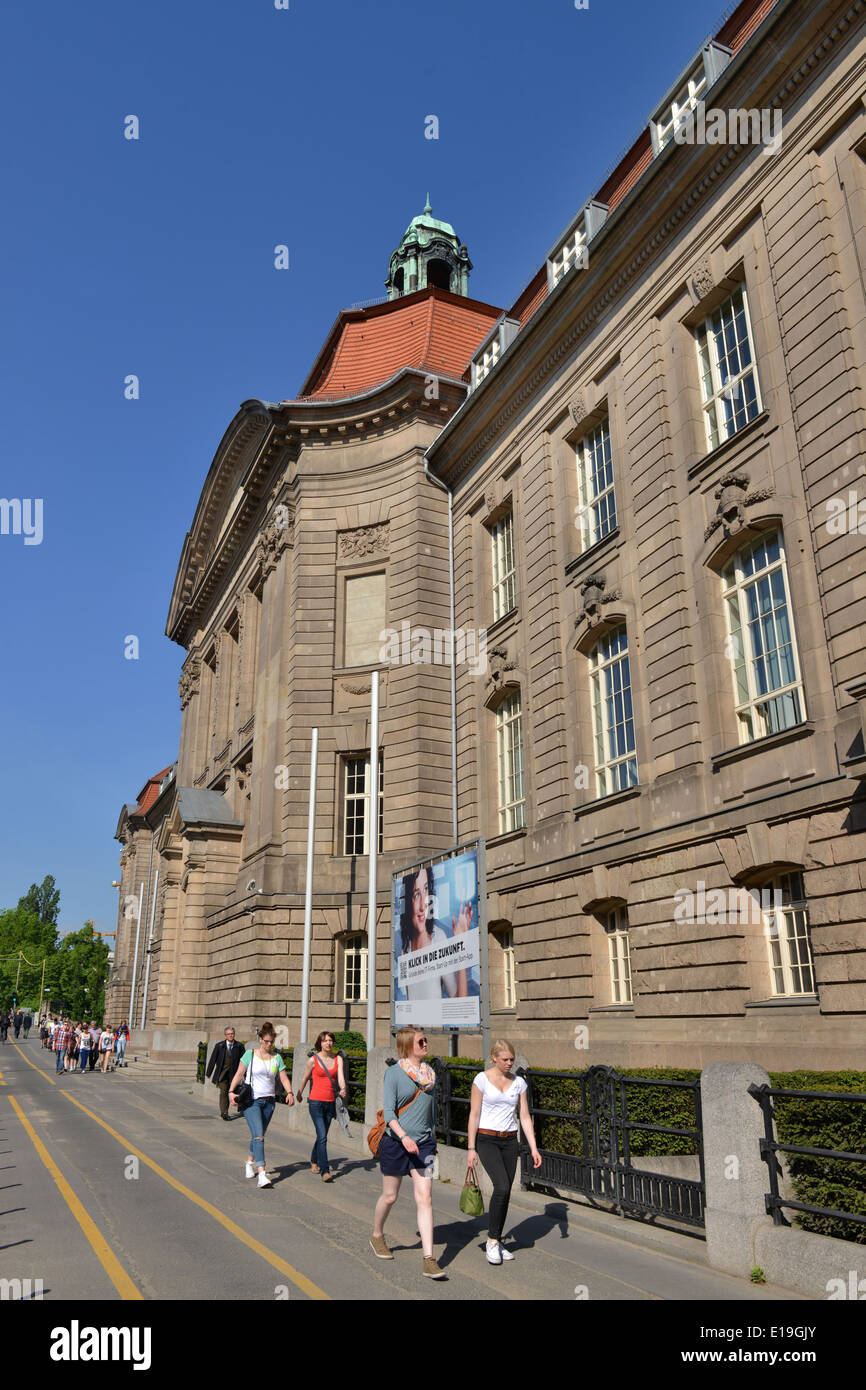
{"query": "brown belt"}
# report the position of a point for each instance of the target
(498, 1133)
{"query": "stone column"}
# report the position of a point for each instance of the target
(736, 1176)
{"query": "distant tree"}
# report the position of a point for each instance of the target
(44, 901)
(77, 972)
(22, 931)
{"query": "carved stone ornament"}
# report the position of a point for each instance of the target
(188, 684)
(490, 500)
(274, 538)
(702, 279)
(732, 500)
(365, 540)
(356, 689)
(500, 661)
(577, 408)
(593, 598)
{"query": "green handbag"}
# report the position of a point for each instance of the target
(471, 1201)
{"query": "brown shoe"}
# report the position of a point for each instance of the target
(380, 1248)
(431, 1269)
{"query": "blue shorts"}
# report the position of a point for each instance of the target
(395, 1161)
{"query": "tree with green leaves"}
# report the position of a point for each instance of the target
(77, 973)
(44, 901)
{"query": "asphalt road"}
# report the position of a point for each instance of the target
(135, 1190)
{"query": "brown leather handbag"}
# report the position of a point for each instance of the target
(374, 1137)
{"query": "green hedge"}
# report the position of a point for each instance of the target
(820, 1124)
(356, 1083)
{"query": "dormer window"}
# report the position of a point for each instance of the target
(573, 248)
(492, 348)
(574, 251)
(690, 89)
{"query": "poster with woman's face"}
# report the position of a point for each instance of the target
(437, 962)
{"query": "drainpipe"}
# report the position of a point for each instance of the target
(438, 483)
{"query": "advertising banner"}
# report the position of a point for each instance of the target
(436, 954)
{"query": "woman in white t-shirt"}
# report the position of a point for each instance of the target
(261, 1068)
(498, 1098)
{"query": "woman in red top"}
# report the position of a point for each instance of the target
(326, 1071)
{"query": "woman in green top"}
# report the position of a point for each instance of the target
(265, 1065)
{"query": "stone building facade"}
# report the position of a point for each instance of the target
(646, 455)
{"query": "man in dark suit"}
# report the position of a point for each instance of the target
(222, 1066)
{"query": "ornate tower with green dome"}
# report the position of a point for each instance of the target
(429, 255)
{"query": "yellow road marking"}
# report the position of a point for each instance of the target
(300, 1280)
(106, 1256)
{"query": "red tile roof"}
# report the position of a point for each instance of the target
(150, 791)
(432, 330)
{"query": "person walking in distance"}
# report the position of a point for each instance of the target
(85, 1043)
(27, 1023)
(18, 1019)
(121, 1038)
(261, 1067)
(497, 1098)
(62, 1034)
(4, 1025)
(95, 1035)
(106, 1043)
(326, 1073)
(409, 1143)
(222, 1066)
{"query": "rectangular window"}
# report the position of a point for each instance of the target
(791, 968)
(616, 928)
(685, 101)
(364, 619)
(509, 996)
(768, 685)
(355, 969)
(509, 746)
(572, 252)
(502, 550)
(729, 380)
(356, 805)
(612, 715)
(597, 511)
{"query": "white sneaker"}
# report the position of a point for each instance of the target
(494, 1256)
(506, 1254)
(264, 1180)
(250, 1170)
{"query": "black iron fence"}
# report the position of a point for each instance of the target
(603, 1140)
(590, 1143)
(770, 1147)
(201, 1062)
(355, 1072)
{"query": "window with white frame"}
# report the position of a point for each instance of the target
(502, 553)
(509, 748)
(486, 360)
(573, 251)
(685, 101)
(616, 929)
(597, 510)
(762, 646)
(509, 995)
(729, 379)
(356, 804)
(612, 714)
(786, 919)
(355, 968)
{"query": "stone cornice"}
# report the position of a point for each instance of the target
(484, 418)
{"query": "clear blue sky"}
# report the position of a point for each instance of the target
(257, 127)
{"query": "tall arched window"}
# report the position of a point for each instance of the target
(612, 714)
(768, 684)
(509, 755)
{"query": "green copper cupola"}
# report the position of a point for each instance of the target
(430, 254)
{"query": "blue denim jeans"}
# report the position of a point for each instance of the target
(258, 1117)
(84, 1056)
(322, 1112)
(120, 1048)
(60, 1055)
